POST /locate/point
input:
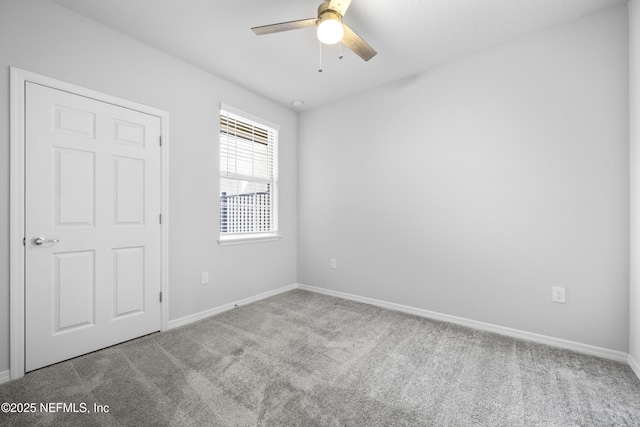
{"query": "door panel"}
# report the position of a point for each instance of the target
(75, 192)
(74, 292)
(92, 193)
(129, 191)
(128, 281)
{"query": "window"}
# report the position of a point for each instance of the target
(248, 178)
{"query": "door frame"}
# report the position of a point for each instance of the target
(17, 209)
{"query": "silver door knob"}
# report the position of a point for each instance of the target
(41, 240)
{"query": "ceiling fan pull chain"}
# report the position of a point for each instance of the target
(340, 50)
(320, 50)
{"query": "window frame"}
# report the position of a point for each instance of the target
(250, 237)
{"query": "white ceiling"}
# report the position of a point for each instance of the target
(410, 36)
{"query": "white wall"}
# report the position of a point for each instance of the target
(47, 39)
(634, 81)
(473, 188)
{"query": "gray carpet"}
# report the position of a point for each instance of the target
(305, 359)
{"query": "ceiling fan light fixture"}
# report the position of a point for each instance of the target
(330, 29)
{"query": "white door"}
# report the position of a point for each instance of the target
(92, 247)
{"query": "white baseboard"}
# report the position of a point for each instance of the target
(634, 366)
(5, 377)
(514, 333)
(216, 310)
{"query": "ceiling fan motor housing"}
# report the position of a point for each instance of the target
(325, 12)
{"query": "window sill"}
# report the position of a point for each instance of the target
(248, 238)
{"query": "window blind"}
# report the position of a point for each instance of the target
(248, 176)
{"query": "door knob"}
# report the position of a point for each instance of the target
(41, 240)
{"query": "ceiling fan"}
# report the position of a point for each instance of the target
(330, 30)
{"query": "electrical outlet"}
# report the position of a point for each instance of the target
(205, 277)
(334, 264)
(557, 294)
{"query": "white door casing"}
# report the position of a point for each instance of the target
(95, 180)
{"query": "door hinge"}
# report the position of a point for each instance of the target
(24, 241)
(160, 296)
(160, 139)
(160, 217)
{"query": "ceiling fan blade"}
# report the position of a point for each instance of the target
(285, 26)
(356, 44)
(340, 6)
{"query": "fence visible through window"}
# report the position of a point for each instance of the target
(245, 213)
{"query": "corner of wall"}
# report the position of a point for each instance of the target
(634, 160)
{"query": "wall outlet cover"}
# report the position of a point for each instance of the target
(557, 294)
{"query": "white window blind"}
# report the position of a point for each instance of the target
(248, 175)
